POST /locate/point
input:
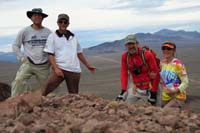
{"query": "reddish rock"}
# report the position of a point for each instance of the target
(89, 114)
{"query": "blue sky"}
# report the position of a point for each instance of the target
(97, 21)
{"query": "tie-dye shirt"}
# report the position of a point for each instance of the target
(174, 74)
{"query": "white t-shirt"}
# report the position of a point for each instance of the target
(65, 51)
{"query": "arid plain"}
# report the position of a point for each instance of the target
(106, 81)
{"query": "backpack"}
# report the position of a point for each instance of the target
(145, 48)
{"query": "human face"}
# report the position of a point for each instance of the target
(132, 47)
(168, 52)
(63, 24)
(37, 19)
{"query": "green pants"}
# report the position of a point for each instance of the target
(25, 72)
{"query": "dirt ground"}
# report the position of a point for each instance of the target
(105, 82)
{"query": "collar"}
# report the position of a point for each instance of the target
(67, 34)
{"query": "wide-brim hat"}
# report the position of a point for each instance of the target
(36, 11)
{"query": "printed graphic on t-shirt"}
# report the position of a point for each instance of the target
(169, 76)
(37, 42)
(172, 72)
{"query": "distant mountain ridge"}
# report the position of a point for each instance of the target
(8, 56)
(152, 39)
(181, 37)
(180, 33)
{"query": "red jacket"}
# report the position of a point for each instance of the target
(144, 77)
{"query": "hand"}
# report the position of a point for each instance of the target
(91, 68)
(59, 72)
(171, 92)
(121, 97)
(152, 75)
(23, 59)
(152, 97)
(134, 89)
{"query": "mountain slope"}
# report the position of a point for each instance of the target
(181, 37)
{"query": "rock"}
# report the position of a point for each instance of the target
(87, 114)
(90, 126)
(169, 129)
(18, 128)
(5, 91)
(25, 119)
(113, 105)
(40, 128)
(168, 120)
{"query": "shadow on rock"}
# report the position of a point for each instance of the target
(5, 91)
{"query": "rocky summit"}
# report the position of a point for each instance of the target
(86, 113)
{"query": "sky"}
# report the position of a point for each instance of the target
(97, 21)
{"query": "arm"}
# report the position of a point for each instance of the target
(57, 70)
(84, 61)
(182, 74)
(151, 61)
(124, 72)
(183, 77)
(154, 71)
(123, 77)
(184, 83)
(50, 49)
(16, 47)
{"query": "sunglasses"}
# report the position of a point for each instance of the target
(61, 22)
(130, 43)
(166, 48)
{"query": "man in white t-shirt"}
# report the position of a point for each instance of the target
(64, 53)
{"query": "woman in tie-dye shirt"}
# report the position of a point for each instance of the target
(174, 77)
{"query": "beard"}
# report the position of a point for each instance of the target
(132, 51)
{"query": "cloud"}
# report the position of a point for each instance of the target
(154, 5)
(136, 4)
(98, 14)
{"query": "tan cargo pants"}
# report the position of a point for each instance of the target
(25, 72)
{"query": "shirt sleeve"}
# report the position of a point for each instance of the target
(154, 70)
(18, 43)
(183, 77)
(151, 61)
(79, 49)
(50, 46)
(124, 72)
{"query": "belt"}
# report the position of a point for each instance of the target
(36, 64)
(142, 83)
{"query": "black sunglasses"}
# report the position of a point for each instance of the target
(62, 21)
(166, 48)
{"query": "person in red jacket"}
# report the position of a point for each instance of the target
(143, 70)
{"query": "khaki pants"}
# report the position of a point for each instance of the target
(72, 80)
(25, 72)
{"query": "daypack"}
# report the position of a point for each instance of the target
(145, 48)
